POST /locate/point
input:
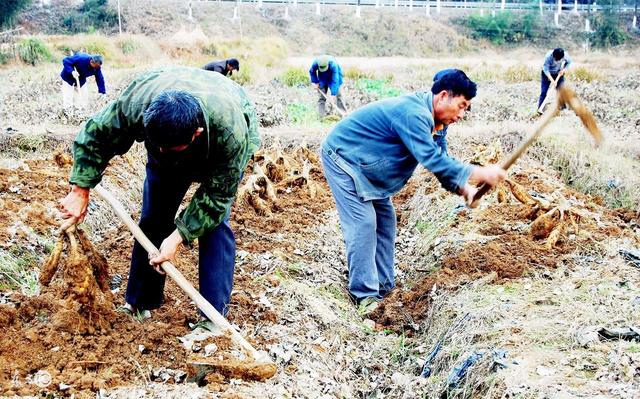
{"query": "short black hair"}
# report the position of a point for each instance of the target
(234, 63)
(457, 83)
(172, 118)
(558, 54)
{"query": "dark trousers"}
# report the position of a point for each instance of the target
(163, 193)
(545, 83)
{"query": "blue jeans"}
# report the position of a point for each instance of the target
(369, 229)
(162, 195)
(545, 83)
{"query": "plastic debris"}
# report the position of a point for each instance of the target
(625, 333)
(632, 257)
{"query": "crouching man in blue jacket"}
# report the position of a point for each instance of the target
(371, 155)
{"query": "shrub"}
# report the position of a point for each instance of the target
(129, 46)
(519, 73)
(9, 9)
(294, 77)
(353, 73)
(33, 51)
(584, 75)
(244, 76)
(91, 15)
(5, 57)
(608, 31)
(504, 27)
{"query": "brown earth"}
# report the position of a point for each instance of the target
(506, 253)
(76, 346)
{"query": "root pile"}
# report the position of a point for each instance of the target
(275, 172)
(87, 301)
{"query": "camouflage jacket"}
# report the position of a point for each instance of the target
(231, 139)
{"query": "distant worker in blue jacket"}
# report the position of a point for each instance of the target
(555, 65)
(370, 156)
(76, 69)
(326, 75)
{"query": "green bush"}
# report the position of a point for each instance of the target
(609, 32)
(129, 46)
(5, 57)
(91, 15)
(244, 76)
(504, 27)
(294, 77)
(353, 73)
(33, 51)
(9, 9)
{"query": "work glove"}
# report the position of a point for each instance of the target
(75, 74)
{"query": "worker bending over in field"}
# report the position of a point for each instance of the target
(326, 76)
(370, 155)
(75, 70)
(555, 65)
(197, 127)
(225, 67)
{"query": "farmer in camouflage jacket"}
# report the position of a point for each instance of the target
(197, 127)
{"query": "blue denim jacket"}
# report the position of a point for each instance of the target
(381, 144)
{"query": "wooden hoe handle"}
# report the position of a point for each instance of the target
(175, 274)
(506, 164)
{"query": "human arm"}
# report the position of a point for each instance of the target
(67, 73)
(313, 74)
(335, 78)
(100, 82)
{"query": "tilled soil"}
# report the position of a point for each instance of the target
(49, 336)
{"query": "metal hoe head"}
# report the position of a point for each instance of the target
(567, 96)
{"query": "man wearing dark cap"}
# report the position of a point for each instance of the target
(225, 67)
(326, 75)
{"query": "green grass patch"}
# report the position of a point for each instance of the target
(612, 177)
(519, 73)
(380, 87)
(584, 75)
(353, 73)
(503, 27)
(34, 51)
(301, 113)
(295, 77)
(19, 271)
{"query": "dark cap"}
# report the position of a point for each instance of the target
(235, 64)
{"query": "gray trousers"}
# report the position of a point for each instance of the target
(322, 100)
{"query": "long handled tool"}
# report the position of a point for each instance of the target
(182, 282)
(341, 112)
(77, 80)
(548, 95)
(566, 96)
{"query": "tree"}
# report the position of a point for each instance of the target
(9, 9)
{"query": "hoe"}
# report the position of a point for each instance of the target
(566, 97)
(258, 367)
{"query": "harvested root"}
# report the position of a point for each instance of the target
(502, 194)
(303, 180)
(554, 236)
(520, 193)
(544, 224)
(88, 304)
(62, 158)
(257, 190)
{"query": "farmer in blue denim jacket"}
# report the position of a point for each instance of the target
(440, 137)
(371, 155)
